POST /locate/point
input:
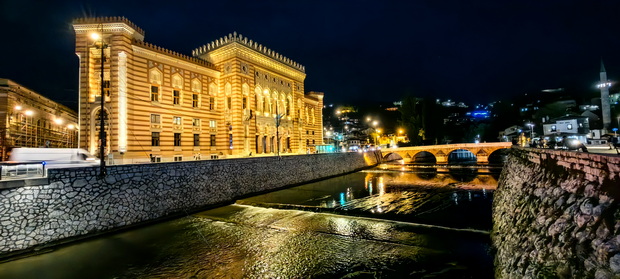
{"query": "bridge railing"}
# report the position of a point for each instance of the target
(22, 170)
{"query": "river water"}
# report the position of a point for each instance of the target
(393, 221)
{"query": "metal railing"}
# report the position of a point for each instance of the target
(21, 170)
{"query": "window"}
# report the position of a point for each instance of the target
(178, 158)
(196, 123)
(176, 120)
(154, 93)
(229, 102)
(212, 140)
(177, 139)
(195, 100)
(214, 156)
(230, 141)
(155, 119)
(196, 139)
(176, 97)
(245, 102)
(553, 128)
(155, 139)
(212, 124)
(155, 159)
(211, 103)
(569, 126)
(106, 88)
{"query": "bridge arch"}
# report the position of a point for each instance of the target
(441, 153)
(393, 156)
(461, 156)
(498, 156)
(424, 157)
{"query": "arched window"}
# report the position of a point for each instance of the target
(155, 79)
(177, 86)
(212, 96)
(196, 90)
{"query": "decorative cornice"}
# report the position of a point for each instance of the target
(163, 56)
(174, 54)
(238, 38)
(113, 19)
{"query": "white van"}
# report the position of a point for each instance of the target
(55, 157)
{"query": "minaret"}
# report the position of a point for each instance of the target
(604, 85)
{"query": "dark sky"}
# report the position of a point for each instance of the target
(472, 51)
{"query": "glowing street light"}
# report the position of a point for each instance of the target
(531, 129)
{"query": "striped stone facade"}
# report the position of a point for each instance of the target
(160, 105)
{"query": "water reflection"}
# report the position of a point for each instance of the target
(452, 196)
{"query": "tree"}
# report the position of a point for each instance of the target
(423, 120)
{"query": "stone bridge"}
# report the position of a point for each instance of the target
(482, 151)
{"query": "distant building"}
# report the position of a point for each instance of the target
(570, 126)
(510, 134)
(164, 106)
(29, 119)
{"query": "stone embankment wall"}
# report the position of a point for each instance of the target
(76, 202)
(556, 215)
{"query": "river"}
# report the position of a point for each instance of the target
(392, 221)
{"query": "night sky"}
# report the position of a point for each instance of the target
(472, 51)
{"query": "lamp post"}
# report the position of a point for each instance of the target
(278, 118)
(102, 136)
(531, 130)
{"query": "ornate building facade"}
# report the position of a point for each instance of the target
(29, 119)
(232, 98)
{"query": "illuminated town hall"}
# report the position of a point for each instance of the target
(223, 101)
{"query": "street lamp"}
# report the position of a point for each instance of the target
(99, 43)
(531, 130)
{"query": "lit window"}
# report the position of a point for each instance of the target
(212, 123)
(155, 119)
(176, 120)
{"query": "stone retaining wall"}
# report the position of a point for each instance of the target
(76, 203)
(556, 215)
